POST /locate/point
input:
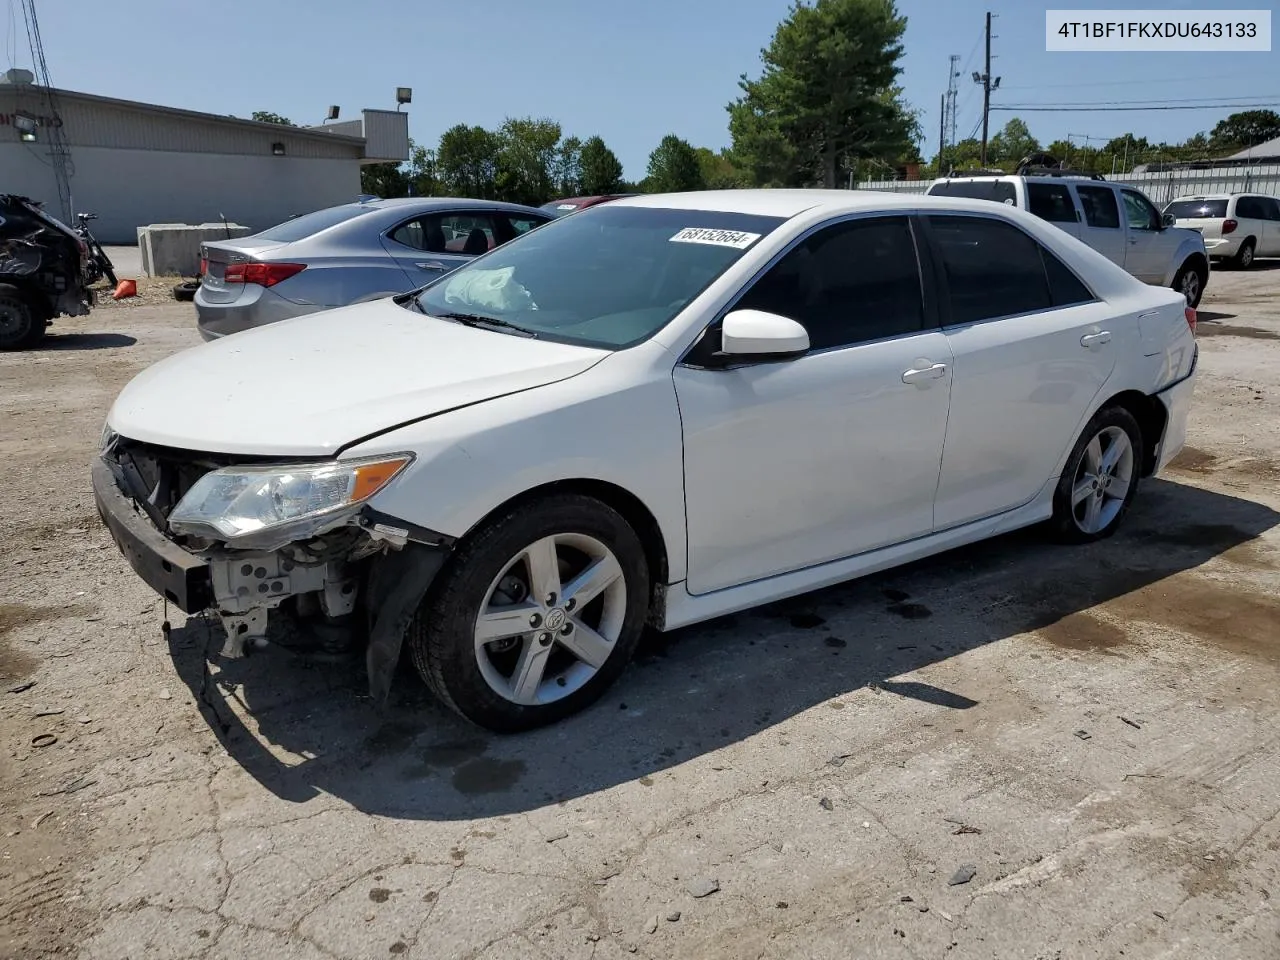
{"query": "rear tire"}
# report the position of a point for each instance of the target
(185, 291)
(21, 326)
(1190, 282)
(1243, 259)
(1100, 479)
(521, 572)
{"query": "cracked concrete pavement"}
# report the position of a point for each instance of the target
(1092, 730)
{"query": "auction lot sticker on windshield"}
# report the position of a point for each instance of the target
(716, 238)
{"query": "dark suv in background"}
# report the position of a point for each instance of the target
(42, 272)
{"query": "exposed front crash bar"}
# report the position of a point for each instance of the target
(394, 562)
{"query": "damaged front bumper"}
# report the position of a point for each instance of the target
(377, 563)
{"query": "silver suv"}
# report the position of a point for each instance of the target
(1117, 221)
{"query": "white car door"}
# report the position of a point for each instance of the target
(1102, 228)
(793, 463)
(1031, 349)
(1150, 247)
(1271, 207)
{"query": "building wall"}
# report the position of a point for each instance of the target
(129, 188)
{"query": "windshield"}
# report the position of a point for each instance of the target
(1193, 209)
(299, 228)
(610, 277)
(999, 191)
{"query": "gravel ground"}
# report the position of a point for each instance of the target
(1014, 750)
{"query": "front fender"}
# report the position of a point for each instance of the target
(469, 462)
(1186, 249)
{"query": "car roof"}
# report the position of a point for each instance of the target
(776, 203)
(439, 203)
(1215, 196)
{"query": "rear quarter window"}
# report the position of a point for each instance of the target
(998, 191)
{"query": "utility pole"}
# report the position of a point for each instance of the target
(942, 131)
(989, 84)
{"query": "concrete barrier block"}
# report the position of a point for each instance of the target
(173, 249)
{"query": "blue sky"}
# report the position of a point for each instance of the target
(629, 72)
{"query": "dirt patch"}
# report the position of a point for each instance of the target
(1235, 330)
(1234, 618)
(15, 615)
(1083, 631)
(1193, 460)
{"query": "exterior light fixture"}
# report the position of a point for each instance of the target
(333, 113)
(403, 95)
(26, 126)
(277, 149)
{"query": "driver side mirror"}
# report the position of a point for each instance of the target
(757, 335)
(1167, 220)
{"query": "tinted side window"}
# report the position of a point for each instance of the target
(1273, 208)
(1099, 205)
(410, 234)
(848, 283)
(998, 191)
(1250, 208)
(1139, 212)
(1065, 288)
(1051, 201)
(993, 269)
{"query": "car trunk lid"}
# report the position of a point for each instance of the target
(215, 257)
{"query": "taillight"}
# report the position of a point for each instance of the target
(204, 266)
(262, 274)
(1191, 318)
(1228, 226)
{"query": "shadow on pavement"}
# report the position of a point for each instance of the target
(86, 341)
(698, 689)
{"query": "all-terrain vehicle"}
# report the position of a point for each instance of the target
(43, 272)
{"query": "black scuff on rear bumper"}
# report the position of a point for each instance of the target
(175, 574)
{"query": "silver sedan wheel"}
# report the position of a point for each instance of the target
(551, 619)
(1102, 480)
(1246, 255)
(1191, 286)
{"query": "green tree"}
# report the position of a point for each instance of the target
(673, 167)
(466, 162)
(266, 116)
(827, 96)
(424, 173)
(1011, 144)
(600, 169)
(719, 172)
(567, 175)
(1246, 128)
(528, 149)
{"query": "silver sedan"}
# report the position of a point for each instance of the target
(347, 254)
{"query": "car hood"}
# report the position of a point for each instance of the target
(314, 384)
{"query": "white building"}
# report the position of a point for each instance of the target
(135, 164)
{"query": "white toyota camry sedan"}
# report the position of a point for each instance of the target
(657, 411)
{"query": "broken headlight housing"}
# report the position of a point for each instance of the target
(265, 507)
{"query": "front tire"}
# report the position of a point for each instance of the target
(1100, 479)
(20, 325)
(536, 614)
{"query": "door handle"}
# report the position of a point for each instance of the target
(923, 375)
(431, 265)
(1091, 340)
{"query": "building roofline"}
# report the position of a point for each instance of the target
(310, 133)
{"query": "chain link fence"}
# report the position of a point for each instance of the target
(1160, 186)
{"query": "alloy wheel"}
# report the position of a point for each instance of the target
(551, 619)
(1102, 480)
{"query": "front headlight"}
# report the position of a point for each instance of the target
(249, 506)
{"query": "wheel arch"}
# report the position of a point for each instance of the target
(1152, 418)
(626, 503)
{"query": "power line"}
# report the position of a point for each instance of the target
(1121, 83)
(1204, 101)
(1199, 106)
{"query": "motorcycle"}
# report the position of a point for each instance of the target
(100, 264)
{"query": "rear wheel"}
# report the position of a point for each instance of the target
(1190, 282)
(20, 325)
(1243, 259)
(1100, 479)
(536, 614)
